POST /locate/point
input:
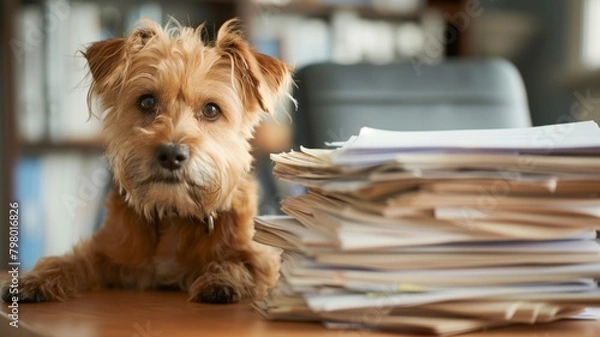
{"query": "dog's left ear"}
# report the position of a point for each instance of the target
(264, 78)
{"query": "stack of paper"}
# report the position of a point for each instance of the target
(440, 232)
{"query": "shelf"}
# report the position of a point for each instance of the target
(315, 9)
(365, 11)
(86, 145)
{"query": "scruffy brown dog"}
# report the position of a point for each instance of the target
(178, 116)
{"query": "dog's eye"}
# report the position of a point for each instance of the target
(147, 103)
(211, 112)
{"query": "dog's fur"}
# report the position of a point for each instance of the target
(155, 233)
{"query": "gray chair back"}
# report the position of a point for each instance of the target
(335, 100)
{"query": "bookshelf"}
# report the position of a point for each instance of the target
(324, 10)
(304, 32)
(364, 8)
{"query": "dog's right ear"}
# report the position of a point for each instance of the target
(104, 58)
(107, 59)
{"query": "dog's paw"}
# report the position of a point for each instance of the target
(7, 292)
(222, 282)
(29, 289)
(218, 294)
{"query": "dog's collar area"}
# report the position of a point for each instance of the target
(209, 219)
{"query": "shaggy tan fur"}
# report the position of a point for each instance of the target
(155, 234)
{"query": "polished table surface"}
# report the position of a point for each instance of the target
(163, 314)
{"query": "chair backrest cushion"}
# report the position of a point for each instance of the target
(335, 100)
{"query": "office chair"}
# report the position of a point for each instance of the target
(335, 101)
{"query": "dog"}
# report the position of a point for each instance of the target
(178, 114)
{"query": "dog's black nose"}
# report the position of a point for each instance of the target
(171, 156)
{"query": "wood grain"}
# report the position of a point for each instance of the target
(154, 314)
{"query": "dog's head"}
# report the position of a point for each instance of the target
(179, 112)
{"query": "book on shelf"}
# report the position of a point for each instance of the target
(51, 72)
(60, 196)
(325, 32)
(67, 84)
(29, 60)
(440, 232)
(27, 182)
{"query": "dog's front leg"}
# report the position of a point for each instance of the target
(246, 274)
(55, 278)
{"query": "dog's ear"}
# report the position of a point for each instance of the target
(103, 58)
(107, 59)
(264, 78)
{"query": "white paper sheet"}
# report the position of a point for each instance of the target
(374, 145)
(358, 301)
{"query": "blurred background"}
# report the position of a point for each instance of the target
(51, 151)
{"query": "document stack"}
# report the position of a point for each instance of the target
(440, 232)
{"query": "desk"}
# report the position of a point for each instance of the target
(165, 314)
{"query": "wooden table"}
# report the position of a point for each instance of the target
(164, 314)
